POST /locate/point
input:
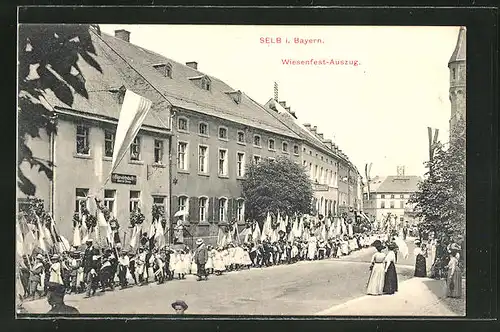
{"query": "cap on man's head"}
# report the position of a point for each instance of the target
(199, 241)
(180, 303)
(89, 241)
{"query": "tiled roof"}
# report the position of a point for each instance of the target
(375, 183)
(115, 73)
(460, 52)
(184, 93)
(398, 184)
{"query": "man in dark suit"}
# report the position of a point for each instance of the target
(90, 260)
(200, 259)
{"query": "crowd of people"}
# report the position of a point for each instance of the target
(92, 269)
(281, 241)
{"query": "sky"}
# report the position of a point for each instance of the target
(376, 112)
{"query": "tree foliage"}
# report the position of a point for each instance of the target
(48, 56)
(441, 197)
(279, 185)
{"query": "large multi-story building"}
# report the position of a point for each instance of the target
(388, 199)
(458, 79)
(82, 150)
(336, 181)
(191, 151)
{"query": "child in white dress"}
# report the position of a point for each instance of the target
(209, 265)
(219, 264)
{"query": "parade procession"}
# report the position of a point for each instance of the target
(152, 187)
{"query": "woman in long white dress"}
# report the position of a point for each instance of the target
(376, 282)
(312, 247)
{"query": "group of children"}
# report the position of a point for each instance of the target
(124, 268)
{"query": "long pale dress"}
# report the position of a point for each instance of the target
(352, 245)
(180, 264)
(376, 282)
(344, 247)
(311, 248)
(226, 258)
(219, 264)
(209, 265)
(245, 257)
(172, 264)
(295, 251)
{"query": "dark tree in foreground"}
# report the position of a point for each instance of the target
(47, 60)
(441, 197)
(279, 185)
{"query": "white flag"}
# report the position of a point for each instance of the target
(132, 115)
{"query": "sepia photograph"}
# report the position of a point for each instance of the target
(242, 170)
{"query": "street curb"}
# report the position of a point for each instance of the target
(350, 302)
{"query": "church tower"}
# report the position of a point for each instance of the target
(458, 74)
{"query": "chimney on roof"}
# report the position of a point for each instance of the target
(321, 136)
(329, 143)
(123, 35)
(283, 104)
(307, 125)
(313, 129)
(192, 64)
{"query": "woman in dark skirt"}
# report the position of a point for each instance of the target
(391, 277)
(420, 263)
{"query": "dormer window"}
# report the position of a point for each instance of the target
(165, 69)
(235, 95)
(203, 82)
(168, 70)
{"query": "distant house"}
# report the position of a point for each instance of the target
(388, 199)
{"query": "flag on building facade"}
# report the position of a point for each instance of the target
(133, 112)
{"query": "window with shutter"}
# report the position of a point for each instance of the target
(230, 210)
(210, 209)
(193, 210)
(175, 207)
(215, 208)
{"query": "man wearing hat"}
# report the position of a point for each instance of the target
(179, 307)
(56, 300)
(90, 260)
(200, 259)
(36, 275)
